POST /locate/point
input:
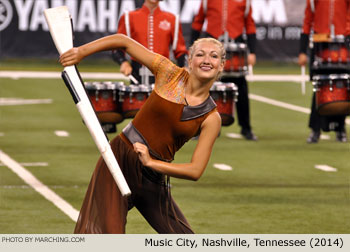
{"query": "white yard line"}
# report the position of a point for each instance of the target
(223, 167)
(37, 164)
(299, 109)
(38, 186)
(278, 77)
(284, 105)
(279, 103)
(325, 168)
(325, 137)
(21, 101)
(57, 75)
(234, 135)
(61, 133)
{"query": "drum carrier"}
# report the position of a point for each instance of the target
(330, 68)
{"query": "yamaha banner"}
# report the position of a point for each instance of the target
(24, 32)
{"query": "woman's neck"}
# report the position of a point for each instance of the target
(196, 91)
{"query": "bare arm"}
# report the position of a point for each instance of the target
(116, 41)
(200, 158)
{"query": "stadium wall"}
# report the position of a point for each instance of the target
(24, 32)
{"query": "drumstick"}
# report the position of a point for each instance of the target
(132, 78)
(60, 26)
(303, 80)
(250, 69)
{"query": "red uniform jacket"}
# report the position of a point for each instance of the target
(321, 14)
(225, 15)
(154, 30)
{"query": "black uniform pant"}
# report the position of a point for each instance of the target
(242, 104)
(318, 122)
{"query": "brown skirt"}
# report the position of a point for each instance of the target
(104, 209)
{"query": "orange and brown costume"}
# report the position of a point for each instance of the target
(164, 123)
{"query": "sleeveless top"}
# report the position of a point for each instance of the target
(165, 123)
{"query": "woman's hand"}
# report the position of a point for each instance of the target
(71, 57)
(142, 151)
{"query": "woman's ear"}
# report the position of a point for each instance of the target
(189, 62)
(221, 70)
(222, 65)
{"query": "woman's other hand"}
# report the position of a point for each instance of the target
(142, 151)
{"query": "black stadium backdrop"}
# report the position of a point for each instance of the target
(24, 32)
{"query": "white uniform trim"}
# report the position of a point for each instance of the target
(247, 8)
(127, 24)
(312, 5)
(176, 32)
(205, 6)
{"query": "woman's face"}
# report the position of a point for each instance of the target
(206, 61)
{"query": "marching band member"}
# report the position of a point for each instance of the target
(233, 19)
(327, 17)
(179, 108)
(155, 29)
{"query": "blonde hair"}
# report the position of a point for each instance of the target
(211, 40)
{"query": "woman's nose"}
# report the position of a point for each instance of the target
(206, 59)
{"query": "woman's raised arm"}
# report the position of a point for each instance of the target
(116, 41)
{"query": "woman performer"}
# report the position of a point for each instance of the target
(178, 109)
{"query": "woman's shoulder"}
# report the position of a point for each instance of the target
(164, 66)
(170, 79)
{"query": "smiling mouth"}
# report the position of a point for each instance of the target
(206, 67)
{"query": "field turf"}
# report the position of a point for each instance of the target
(273, 187)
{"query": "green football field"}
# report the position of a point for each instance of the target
(273, 187)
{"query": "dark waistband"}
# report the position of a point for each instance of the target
(133, 135)
(148, 173)
(130, 135)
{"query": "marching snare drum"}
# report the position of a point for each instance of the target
(225, 96)
(132, 98)
(236, 59)
(332, 54)
(332, 94)
(103, 96)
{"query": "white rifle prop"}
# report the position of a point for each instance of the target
(60, 26)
